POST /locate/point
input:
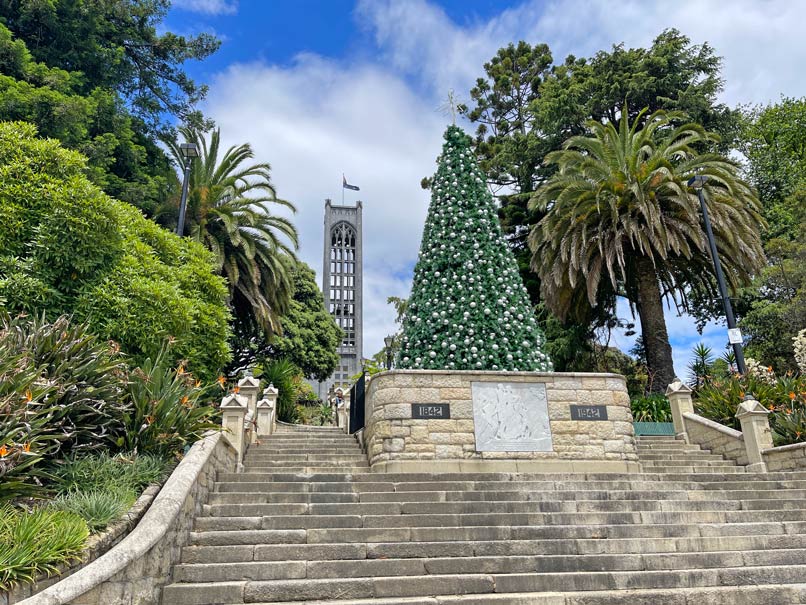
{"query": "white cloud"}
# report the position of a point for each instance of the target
(376, 119)
(207, 7)
(317, 119)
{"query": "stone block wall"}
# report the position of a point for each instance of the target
(135, 570)
(397, 442)
(716, 437)
(786, 458)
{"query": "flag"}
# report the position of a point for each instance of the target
(346, 185)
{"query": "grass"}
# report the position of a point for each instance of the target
(105, 473)
(99, 509)
(37, 542)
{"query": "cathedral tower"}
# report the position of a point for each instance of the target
(342, 279)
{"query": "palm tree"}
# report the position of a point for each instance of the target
(230, 213)
(620, 216)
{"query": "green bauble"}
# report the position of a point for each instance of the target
(469, 309)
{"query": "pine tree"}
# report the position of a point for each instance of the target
(469, 309)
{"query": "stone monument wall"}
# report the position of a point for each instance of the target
(428, 420)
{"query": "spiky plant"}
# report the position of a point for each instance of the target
(620, 215)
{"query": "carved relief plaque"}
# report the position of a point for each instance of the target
(511, 417)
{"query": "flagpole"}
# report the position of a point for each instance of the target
(342, 191)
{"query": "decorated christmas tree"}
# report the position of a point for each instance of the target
(468, 309)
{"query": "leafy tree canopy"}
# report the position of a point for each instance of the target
(68, 248)
(114, 45)
(96, 75)
(310, 336)
(526, 106)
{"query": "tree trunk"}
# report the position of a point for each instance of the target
(653, 328)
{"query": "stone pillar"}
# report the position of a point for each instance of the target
(233, 409)
(267, 410)
(755, 422)
(679, 395)
(249, 387)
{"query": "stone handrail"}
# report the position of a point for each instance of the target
(135, 570)
(751, 446)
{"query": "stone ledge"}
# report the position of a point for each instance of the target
(506, 466)
(158, 522)
(714, 425)
(782, 449)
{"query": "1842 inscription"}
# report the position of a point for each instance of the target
(588, 412)
(439, 411)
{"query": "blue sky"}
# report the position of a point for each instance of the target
(321, 87)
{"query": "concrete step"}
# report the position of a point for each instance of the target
(603, 534)
(495, 519)
(465, 549)
(678, 456)
(734, 595)
(459, 584)
(479, 564)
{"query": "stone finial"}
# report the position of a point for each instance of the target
(679, 395)
(755, 422)
(270, 390)
(678, 386)
(234, 401)
(249, 382)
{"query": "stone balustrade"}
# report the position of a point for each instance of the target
(751, 447)
(244, 417)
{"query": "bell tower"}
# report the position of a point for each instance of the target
(342, 280)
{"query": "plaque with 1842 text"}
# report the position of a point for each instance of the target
(588, 412)
(433, 411)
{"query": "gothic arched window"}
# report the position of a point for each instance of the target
(342, 266)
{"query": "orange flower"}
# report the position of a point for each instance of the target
(236, 390)
(792, 396)
(26, 447)
(222, 381)
(28, 396)
(741, 394)
(197, 384)
(184, 402)
(769, 369)
(3, 451)
(180, 371)
(150, 419)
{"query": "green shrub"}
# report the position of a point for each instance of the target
(784, 396)
(37, 542)
(169, 409)
(67, 248)
(85, 377)
(285, 376)
(97, 508)
(651, 408)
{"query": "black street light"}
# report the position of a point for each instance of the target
(389, 341)
(188, 151)
(734, 334)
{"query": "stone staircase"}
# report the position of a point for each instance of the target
(670, 455)
(307, 522)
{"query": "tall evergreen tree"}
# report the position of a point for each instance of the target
(469, 309)
(620, 216)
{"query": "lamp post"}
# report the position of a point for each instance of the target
(189, 151)
(389, 341)
(734, 334)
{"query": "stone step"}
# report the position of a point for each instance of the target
(477, 507)
(697, 468)
(602, 533)
(274, 448)
(734, 595)
(458, 584)
(465, 549)
(679, 456)
(348, 455)
(413, 521)
(216, 498)
(479, 564)
(336, 462)
(345, 485)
